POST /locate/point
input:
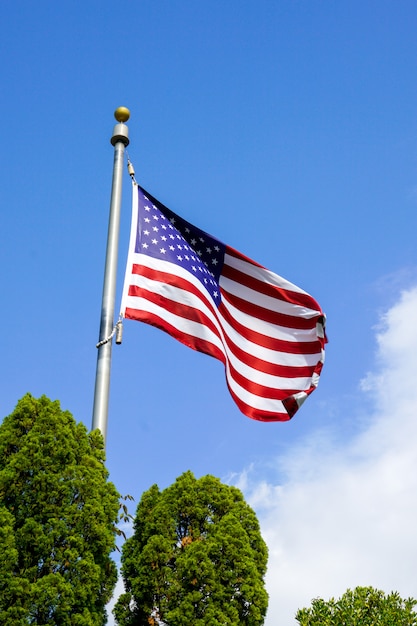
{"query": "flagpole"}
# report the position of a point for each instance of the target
(119, 139)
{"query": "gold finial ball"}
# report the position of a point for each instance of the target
(122, 114)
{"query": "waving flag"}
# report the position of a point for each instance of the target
(268, 333)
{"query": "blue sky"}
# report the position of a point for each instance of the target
(302, 112)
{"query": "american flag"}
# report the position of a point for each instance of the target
(268, 333)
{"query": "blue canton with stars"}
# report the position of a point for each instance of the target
(164, 235)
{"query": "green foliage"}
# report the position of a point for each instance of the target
(364, 606)
(58, 516)
(196, 557)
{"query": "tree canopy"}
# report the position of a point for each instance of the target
(196, 557)
(57, 519)
(364, 606)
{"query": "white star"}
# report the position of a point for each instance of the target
(162, 250)
(179, 257)
(146, 232)
(214, 261)
(163, 238)
(217, 249)
(145, 245)
(155, 228)
(172, 247)
(146, 219)
(147, 208)
(155, 217)
(155, 241)
(194, 268)
(193, 242)
(208, 250)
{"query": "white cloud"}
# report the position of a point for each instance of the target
(346, 514)
(127, 529)
(119, 589)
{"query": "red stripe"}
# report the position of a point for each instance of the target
(181, 310)
(242, 257)
(275, 369)
(279, 319)
(279, 345)
(166, 278)
(270, 290)
(258, 414)
(196, 343)
(262, 391)
(169, 278)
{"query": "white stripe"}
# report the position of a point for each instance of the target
(300, 398)
(268, 328)
(267, 354)
(264, 301)
(131, 249)
(159, 265)
(256, 402)
(183, 324)
(269, 380)
(315, 379)
(177, 294)
(261, 274)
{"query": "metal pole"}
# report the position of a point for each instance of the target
(119, 139)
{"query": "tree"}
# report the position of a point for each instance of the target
(364, 606)
(196, 558)
(57, 517)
